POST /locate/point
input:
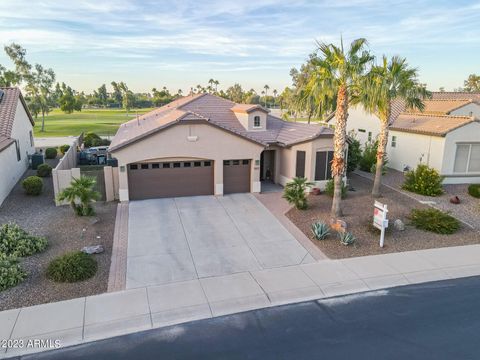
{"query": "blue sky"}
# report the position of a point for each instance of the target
(179, 44)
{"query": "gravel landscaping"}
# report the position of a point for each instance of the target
(468, 210)
(358, 214)
(40, 216)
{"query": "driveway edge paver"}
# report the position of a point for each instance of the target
(118, 267)
(226, 295)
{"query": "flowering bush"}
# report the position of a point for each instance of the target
(423, 180)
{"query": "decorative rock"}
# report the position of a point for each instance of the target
(315, 191)
(455, 200)
(94, 220)
(338, 225)
(96, 249)
(398, 225)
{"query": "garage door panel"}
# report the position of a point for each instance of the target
(236, 176)
(170, 182)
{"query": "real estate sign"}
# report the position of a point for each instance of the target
(380, 220)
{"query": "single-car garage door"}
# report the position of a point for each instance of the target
(170, 179)
(236, 176)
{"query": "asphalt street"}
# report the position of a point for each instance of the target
(439, 320)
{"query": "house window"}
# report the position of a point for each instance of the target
(17, 147)
(394, 141)
(31, 138)
(197, 164)
(165, 165)
(369, 136)
(155, 166)
(323, 167)
(144, 166)
(300, 164)
(245, 162)
(133, 167)
(226, 162)
(187, 164)
(256, 121)
(467, 158)
(207, 163)
(176, 165)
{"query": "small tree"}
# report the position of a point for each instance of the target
(81, 194)
(294, 192)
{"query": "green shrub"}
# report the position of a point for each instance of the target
(51, 153)
(354, 155)
(320, 230)
(368, 160)
(434, 220)
(64, 148)
(474, 190)
(330, 188)
(33, 185)
(423, 180)
(294, 192)
(91, 139)
(346, 238)
(72, 267)
(11, 273)
(44, 170)
(17, 242)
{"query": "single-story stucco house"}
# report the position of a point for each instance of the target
(206, 145)
(445, 136)
(16, 139)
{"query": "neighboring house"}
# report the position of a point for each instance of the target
(16, 139)
(445, 136)
(205, 145)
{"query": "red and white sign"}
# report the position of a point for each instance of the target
(380, 220)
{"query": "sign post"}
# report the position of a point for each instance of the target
(380, 220)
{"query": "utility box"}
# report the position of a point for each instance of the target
(37, 159)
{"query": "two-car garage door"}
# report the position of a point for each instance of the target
(185, 178)
(170, 179)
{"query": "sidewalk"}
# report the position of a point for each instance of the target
(97, 317)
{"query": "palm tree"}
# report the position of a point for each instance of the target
(216, 82)
(275, 92)
(294, 192)
(391, 80)
(266, 87)
(335, 76)
(179, 92)
(81, 194)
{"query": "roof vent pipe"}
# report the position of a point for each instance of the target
(1, 94)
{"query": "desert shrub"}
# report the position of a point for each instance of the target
(320, 230)
(368, 160)
(17, 242)
(354, 155)
(64, 148)
(330, 188)
(91, 139)
(72, 267)
(33, 185)
(346, 238)
(44, 170)
(51, 153)
(434, 220)
(11, 273)
(294, 192)
(474, 190)
(423, 180)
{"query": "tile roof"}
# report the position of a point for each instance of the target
(217, 112)
(451, 95)
(8, 107)
(429, 124)
(247, 108)
(442, 106)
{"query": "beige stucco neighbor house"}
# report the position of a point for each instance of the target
(16, 139)
(204, 145)
(445, 136)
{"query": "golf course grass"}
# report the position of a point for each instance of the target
(101, 121)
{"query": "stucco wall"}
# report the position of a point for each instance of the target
(359, 119)
(13, 169)
(467, 134)
(289, 159)
(468, 110)
(413, 149)
(212, 144)
(247, 120)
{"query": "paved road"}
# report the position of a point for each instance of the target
(430, 321)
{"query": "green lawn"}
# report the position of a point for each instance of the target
(100, 121)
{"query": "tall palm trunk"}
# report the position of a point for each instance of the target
(382, 146)
(340, 138)
(43, 121)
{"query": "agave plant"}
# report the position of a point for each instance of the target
(320, 230)
(346, 238)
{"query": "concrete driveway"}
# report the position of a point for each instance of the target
(178, 239)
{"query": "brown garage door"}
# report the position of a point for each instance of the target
(170, 179)
(236, 176)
